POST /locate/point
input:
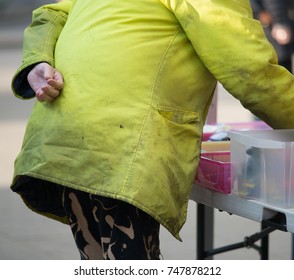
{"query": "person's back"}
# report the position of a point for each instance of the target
(133, 77)
(129, 54)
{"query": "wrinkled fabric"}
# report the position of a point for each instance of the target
(139, 79)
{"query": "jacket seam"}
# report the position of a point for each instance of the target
(149, 109)
(175, 109)
(49, 35)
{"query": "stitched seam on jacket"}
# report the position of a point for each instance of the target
(48, 39)
(147, 114)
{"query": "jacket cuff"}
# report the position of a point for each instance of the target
(20, 85)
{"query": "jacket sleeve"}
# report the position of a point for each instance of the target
(39, 42)
(233, 47)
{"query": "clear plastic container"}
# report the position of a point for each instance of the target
(262, 166)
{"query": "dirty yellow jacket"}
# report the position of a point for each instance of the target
(139, 78)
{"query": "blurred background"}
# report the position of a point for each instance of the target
(25, 235)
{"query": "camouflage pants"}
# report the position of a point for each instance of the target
(105, 228)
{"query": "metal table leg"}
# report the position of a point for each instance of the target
(205, 231)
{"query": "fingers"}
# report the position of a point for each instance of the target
(47, 93)
(57, 84)
(46, 81)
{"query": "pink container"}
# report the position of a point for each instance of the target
(214, 171)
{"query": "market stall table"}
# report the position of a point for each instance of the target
(271, 217)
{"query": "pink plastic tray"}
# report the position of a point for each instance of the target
(214, 171)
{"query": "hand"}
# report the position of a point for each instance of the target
(46, 82)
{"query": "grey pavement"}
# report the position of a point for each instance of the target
(26, 235)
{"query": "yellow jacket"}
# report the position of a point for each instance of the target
(139, 77)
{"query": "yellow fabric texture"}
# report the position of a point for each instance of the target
(139, 78)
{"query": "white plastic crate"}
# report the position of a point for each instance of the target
(262, 166)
